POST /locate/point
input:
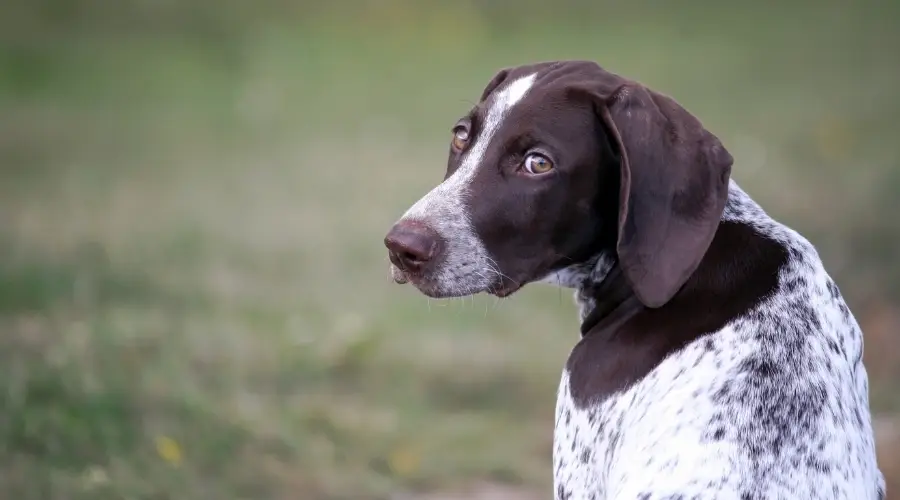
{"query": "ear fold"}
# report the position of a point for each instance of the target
(495, 82)
(674, 184)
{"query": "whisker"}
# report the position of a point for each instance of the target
(482, 276)
(495, 267)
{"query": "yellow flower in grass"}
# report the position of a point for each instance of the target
(404, 461)
(169, 450)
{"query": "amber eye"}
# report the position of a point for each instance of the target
(537, 164)
(460, 138)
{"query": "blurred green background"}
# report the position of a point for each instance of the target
(194, 295)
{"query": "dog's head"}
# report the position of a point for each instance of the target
(559, 162)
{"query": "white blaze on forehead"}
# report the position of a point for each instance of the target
(467, 267)
(446, 199)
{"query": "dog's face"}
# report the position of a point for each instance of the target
(539, 179)
(519, 197)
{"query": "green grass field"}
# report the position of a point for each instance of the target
(194, 294)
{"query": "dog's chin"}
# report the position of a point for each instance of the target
(433, 290)
(504, 289)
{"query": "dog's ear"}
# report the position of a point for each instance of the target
(495, 82)
(674, 184)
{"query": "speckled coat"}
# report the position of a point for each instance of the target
(772, 405)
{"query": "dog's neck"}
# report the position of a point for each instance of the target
(613, 302)
(601, 290)
(602, 293)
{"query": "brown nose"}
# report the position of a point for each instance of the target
(412, 245)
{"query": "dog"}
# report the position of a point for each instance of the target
(717, 358)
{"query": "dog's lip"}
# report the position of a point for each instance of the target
(504, 290)
(399, 277)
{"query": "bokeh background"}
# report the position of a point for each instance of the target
(194, 295)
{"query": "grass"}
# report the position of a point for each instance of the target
(194, 298)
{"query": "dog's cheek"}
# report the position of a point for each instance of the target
(578, 235)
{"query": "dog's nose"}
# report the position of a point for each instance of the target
(412, 245)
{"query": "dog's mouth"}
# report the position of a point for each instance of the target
(424, 285)
(502, 288)
(398, 275)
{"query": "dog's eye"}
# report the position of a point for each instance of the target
(537, 164)
(460, 138)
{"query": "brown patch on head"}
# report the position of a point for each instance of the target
(533, 225)
(638, 176)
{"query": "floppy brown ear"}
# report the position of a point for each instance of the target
(674, 184)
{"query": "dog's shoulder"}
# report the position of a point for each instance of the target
(774, 402)
(798, 397)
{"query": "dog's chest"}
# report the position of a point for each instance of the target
(587, 442)
(579, 436)
(647, 430)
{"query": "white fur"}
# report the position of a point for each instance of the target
(467, 267)
(653, 441)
